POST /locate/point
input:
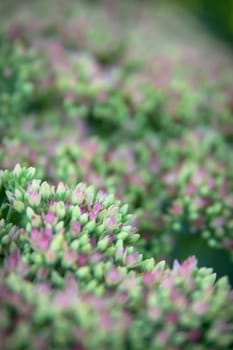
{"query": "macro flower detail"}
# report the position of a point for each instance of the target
(116, 196)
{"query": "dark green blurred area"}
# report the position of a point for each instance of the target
(217, 15)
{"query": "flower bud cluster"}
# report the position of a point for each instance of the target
(18, 68)
(62, 230)
(160, 308)
(98, 117)
(202, 203)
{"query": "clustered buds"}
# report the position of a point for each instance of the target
(59, 230)
(175, 308)
(90, 132)
(202, 204)
(18, 67)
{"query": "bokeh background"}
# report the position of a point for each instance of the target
(142, 29)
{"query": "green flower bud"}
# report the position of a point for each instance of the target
(18, 194)
(99, 230)
(37, 258)
(90, 226)
(124, 209)
(83, 272)
(59, 226)
(57, 280)
(98, 271)
(19, 206)
(30, 213)
(83, 219)
(5, 240)
(30, 173)
(75, 245)
(134, 237)
(86, 248)
(102, 244)
(148, 264)
(75, 212)
(109, 200)
(61, 192)
(123, 235)
(161, 265)
(84, 239)
(56, 243)
(45, 190)
(60, 210)
(17, 170)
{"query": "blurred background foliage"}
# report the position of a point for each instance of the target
(162, 27)
(217, 15)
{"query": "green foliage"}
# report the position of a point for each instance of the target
(17, 71)
(100, 134)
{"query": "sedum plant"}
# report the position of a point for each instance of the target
(178, 308)
(166, 190)
(18, 67)
(105, 120)
(69, 266)
(202, 204)
(58, 230)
